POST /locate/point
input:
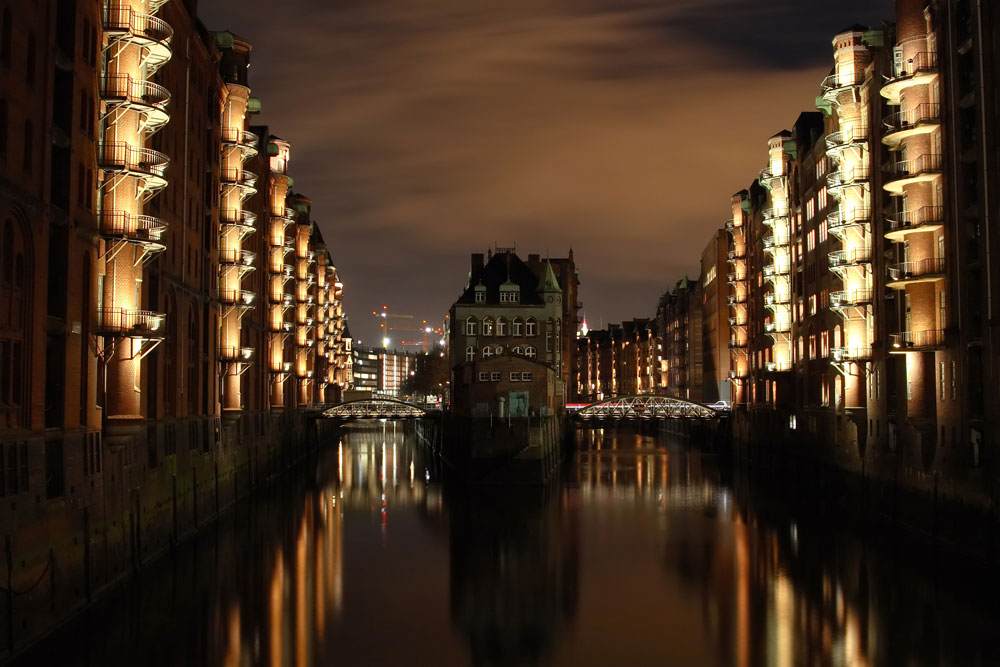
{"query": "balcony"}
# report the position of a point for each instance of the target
(850, 298)
(143, 230)
(733, 224)
(776, 270)
(131, 323)
(923, 219)
(737, 344)
(145, 97)
(737, 322)
(237, 257)
(853, 137)
(280, 327)
(147, 165)
(842, 354)
(836, 85)
(775, 242)
(777, 299)
(235, 218)
(777, 366)
(246, 142)
(282, 298)
(735, 299)
(153, 34)
(739, 252)
(913, 341)
(921, 119)
(841, 220)
(921, 169)
(769, 178)
(242, 179)
(738, 374)
(772, 216)
(926, 270)
(847, 178)
(236, 297)
(236, 355)
(777, 327)
(842, 259)
(285, 270)
(920, 69)
(736, 276)
(283, 215)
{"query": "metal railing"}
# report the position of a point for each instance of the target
(849, 257)
(121, 224)
(917, 339)
(925, 215)
(842, 298)
(777, 327)
(925, 112)
(236, 256)
(840, 218)
(924, 61)
(239, 136)
(770, 242)
(120, 156)
(772, 299)
(237, 216)
(926, 163)
(236, 297)
(131, 322)
(134, 91)
(232, 353)
(777, 367)
(841, 80)
(931, 266)
(847, 177)
(850, 353)
(737, 253)
(843, 138)
(124, 19)
(238, 177)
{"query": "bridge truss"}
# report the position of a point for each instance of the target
(375, 408)
(645, 407)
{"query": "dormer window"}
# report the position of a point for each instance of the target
(480, 293)
(510, 292)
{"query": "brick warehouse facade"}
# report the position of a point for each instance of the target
(168, 308)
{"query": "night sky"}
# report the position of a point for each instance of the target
(424, 130)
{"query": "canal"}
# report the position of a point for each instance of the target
(647, 552)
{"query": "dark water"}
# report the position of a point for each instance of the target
(646, 554)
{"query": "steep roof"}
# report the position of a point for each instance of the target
(501, 267)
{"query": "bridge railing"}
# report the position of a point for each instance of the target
(374, 408)
(646, 407)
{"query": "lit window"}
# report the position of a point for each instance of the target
(488, 326)
(531, 327)
(810, 209)
(515, 377)
(821, 199)
(823, 227)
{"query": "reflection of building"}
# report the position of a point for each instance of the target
(508, 337)
(512, 614)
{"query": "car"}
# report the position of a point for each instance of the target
(720, 406)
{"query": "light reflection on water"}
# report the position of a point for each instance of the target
(646, 553)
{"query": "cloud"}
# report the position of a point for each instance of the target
(425, 130)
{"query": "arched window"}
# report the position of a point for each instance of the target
(487, 326)
(530, 352)
(3, 128)
(487, 352)
(498, 350)
(517, 327)
(501, 326)
(531, 327)
(192, 360)
(518, 350)
(14, 301)
(470, 326)
(470, 354)
(29, 147)
(29, 70)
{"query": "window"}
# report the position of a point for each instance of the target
(498, 350)
(941, 379)
(526, 376)
(81, 198)
(5, 37)
(29, 68)
(519, 350)
(470, 354)
(811, 240)
(501, 326)
(530, 352)
(83, 110)
(516, 327)
(810, 209)
(29, 137)
(495, 376)
(487, 352)
(470, 326)
(488, 326)
(480, 296)
(821, 199)
(531, 327)
(954, 380)
(484, 377)
(3, 129)
(515, 377)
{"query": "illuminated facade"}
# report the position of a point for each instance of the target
(622, 360)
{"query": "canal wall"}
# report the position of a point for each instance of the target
(833, 460)
(512, 451)
(127, 505)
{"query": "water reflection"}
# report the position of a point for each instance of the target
(646, 553)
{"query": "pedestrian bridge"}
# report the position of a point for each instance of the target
(375, 408)
(636, 408)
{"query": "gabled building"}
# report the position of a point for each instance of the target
(508, 338)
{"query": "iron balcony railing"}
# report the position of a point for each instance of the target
(926, 163)
(280, 327)
(777, 367)
(239, 177)
(926, 112)
(739, 252)
(931, 266)
(773, 299)
(131, 322)
(286, 270)
(235, 354)
(772, 242)
(777, 327)
(920, 63)
(236, 256)
(845, 138)
(119, 19)
(841, 219)
(736, 276)
(236, 297)
(841, 80)
(121, 157)
(768, 177)
(772, 270)
(913, 219)
(771, 216)
(843, 178)
(916, 339)
(737, 344)
(839, 354)
(839, 258)
(737, 322)
(123, 88)
(855, 297)
(284, 213)
(737, 298)
(236, 136)
(733, 224)
(124, 225)
(237, 216)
